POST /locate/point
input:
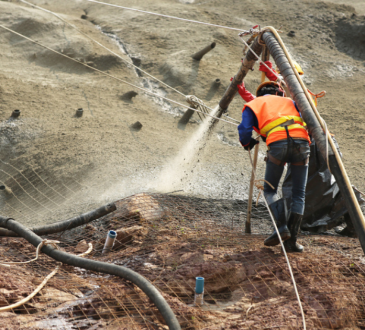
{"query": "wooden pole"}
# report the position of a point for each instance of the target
(265, 57)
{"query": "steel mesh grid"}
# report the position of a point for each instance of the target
(172, 239)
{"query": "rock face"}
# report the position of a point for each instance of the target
(140, 207)
(129, 235)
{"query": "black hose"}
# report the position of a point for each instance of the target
(67, 224)
(97, 266)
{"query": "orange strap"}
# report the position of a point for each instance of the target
(317, 96)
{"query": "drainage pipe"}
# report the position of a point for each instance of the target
(97, 266)
(199, 55)
(67, 224)
(317, 128)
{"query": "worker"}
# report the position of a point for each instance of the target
(277, 119)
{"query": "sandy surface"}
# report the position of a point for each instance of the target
(58, 165)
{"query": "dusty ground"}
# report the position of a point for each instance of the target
(97, 158)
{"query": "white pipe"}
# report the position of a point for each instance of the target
(109, 242)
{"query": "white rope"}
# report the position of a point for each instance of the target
(111, 76)
(44, 282)
(282, 246)
(109, 50)
(237, 121)
(281, 80)
(39, 247)
(166, 16)
(287, 260)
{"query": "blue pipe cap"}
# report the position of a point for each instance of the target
(199, 285)
(112, 234)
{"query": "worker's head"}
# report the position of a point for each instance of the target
(269, 87)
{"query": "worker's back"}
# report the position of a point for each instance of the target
(271, 111)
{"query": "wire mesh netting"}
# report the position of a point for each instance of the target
(172, 239)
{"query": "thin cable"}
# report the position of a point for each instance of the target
(261, 188)
(231, 118)
(111, 76)
(166, 16)
(101, 45)
(109, 50)
(287, 260)
(261, 62)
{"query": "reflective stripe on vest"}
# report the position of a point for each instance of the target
(271, 111)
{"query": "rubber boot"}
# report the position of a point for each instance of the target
(278, 211)
(291, 244)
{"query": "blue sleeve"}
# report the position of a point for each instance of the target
(296, 107)
(249, 121)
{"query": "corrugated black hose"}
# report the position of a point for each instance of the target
(60, 226)
(97, 266)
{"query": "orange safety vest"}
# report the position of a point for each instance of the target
(271, 111)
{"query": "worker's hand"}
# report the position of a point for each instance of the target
(251, 144)
(245, 94)
(271, 76)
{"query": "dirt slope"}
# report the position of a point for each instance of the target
(63, 165)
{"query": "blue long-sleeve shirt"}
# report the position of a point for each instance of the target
(249, 121)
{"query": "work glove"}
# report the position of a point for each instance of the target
(268, 73)
(251, 145)
(245, 94)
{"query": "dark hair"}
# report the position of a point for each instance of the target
(270, 90)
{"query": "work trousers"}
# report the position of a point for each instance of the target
(292, 151)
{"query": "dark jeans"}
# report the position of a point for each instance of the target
(298, 151)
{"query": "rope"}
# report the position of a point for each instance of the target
(279, 78)
(109, 75)
(261, 188)
(317, 96)
(166, 16)
(39, 247)
(44, 282)
(109, 50)
(26, 299)
(101, 45)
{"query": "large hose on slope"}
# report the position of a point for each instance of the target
(60, 226)
(97, 266)
(316, 126)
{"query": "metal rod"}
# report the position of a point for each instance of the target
(199, 55)
(299, 96)
(265, 57)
